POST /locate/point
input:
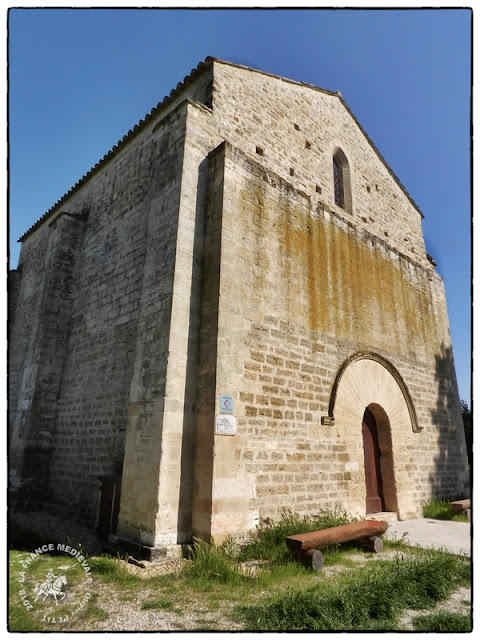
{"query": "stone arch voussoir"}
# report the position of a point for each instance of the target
(368, 377)
(368, 380)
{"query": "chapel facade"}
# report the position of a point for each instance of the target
(230, 315)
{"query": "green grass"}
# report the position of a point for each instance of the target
(211, 565)
(440, 509)
(129, 597)
(228, 564)
(159, 603)
(443, 621)
(269, 541)
(112, 571)
(95, 613)
(370, 598)
(29, 611)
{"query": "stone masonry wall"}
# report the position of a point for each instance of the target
(300, 292)
(116, 363)
(38, 367)
(163, 517)
(294, 129)
(120, 313)
(14, 282)
(23, 331)
(113, 370)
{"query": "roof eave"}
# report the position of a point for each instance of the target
(200, 68)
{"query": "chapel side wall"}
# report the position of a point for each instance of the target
(22, 330)
(298, 129)
(451, 458)
(36, 350)
(24, 323)
(115, 364)
(14, 277)
(121, 301)
(300, 292)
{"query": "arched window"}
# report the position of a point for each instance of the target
(338, 182)
(341, 181)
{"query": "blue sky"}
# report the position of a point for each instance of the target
(80, 79)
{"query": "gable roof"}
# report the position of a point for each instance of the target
(194, 73)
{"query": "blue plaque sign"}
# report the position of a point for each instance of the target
(226, 404)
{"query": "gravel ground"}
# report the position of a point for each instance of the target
(128, 616)
(455, 604)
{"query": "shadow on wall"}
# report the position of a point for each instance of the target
(450, 478)
(187, 463)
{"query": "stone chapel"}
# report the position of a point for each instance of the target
(230, 315)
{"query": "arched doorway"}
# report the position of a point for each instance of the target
(371, 456)
(368, 381)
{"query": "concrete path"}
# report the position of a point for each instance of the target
(454, 537)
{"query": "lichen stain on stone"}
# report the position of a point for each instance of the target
(352, 289)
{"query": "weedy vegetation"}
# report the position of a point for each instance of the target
(443, 621)
(370, 598)
(258, 586)
(440, 509)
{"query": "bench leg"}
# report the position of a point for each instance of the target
(374, 544)
(313, 558)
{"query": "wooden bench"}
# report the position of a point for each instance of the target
(462, 506)
(304, 546)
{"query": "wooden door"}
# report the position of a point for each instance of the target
(109, 507)
(371, 451)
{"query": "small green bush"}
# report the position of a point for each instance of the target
(212, 564)
(440, 509)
